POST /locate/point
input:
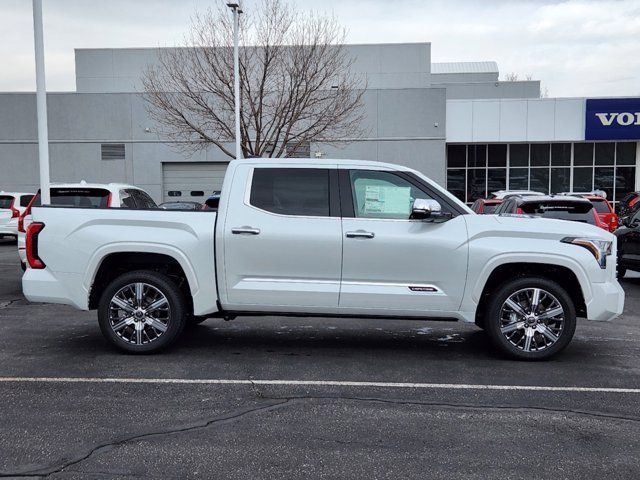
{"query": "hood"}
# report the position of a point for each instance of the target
(534, 227)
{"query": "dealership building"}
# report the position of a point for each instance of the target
(456, 122)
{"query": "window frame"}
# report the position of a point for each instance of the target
(334, 195)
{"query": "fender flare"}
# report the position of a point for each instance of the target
(524, 257)
(139, 247)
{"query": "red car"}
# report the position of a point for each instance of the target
(486, 206)
(603, 208)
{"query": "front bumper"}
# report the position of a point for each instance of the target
(607, 301)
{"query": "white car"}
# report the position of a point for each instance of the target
(83, 195)
(503, 194)
(12, 205)
(325, 238)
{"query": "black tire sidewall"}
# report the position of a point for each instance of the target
(171, 292)
(492, 319)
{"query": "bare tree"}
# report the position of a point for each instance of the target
(297, 83)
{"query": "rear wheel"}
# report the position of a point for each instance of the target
(622, 271)
(142, 312)
(530, 318)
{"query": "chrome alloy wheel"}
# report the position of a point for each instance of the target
(139, 313)
(532, 319)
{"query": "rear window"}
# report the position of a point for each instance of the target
(6, 201)
(491, 208)
(574, 211)
(77, 197)
(601, 206)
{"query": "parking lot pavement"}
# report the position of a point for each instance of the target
(414, 408)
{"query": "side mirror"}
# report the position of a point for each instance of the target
(428, 209)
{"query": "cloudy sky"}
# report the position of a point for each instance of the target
(575, 47)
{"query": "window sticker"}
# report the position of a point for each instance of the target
(387, 200)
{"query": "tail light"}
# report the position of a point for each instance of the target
(33, 259)
(634, 201)
(109, 200)
(599, 223)
(613, 222)
(519, 211)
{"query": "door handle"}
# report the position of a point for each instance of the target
(360, 234)
(248, 230)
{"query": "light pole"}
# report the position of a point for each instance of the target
(236, 73)
(41, 103)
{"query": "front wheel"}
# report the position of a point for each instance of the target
(142, 312)
(530, 318)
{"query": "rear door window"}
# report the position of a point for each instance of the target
(143, 200)
(6, 201)
(127, 199)
(25, 199)
(78, 197)
(291, 191)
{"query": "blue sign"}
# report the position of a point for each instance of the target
(612, 119)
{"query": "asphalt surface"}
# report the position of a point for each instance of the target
(96, 429)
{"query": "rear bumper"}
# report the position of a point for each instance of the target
(65, 288)
(607, 301)
(9, 229)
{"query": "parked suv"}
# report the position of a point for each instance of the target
(561, 207)
(12, 204)
(629, 244)
(84, 195)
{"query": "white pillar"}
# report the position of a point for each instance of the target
(236, 79)
(41, 101)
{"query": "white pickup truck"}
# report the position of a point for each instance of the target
(325, 238)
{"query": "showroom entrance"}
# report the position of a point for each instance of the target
(191, 181)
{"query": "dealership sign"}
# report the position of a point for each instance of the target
(612, 119)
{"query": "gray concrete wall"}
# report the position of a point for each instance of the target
(405, 126)
(394, 65)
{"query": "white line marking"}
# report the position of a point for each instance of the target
(320, 383)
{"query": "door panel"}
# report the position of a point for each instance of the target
(275, 260)
(407, 266)
(391, 262)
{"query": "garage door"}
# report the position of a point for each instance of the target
(191, 181)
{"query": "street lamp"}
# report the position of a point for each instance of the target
(41, 103)
(236, 73)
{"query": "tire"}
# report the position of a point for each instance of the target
(509, 330)
(148, 332)
(622, 271)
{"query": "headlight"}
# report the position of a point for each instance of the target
(599, 248)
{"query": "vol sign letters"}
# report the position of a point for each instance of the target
(612, 119)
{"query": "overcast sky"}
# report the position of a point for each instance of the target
(575, 47)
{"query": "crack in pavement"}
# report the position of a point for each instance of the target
(278, 402)
(6, 303)
(44, 472)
